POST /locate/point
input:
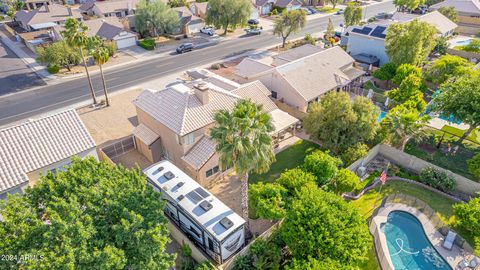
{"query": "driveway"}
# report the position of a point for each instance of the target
(15, 75)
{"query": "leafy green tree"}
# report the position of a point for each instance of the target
(154, 17)
(178, 3)
(266, 200)
(408, 4)
(352, 15)
(323, 226)
(402, 124)
(386, 72)
(228, 14)
(446, 67)
(461, 98)
(410, 43)
(59, 54)
(469, 215)
(91, 216)
(101, 55)
(266, 254)
(323, 166)
(294, 179)
(409, 87)
(290, 22)
(334, 3)
(354, 153)
(75, 35)
(474, 165)
(244, 143)
(405, 70)
(472, 46)
(309, 39)
(345, 181)
(313, 264)
(13, 6)
(339, 123)
(441, 45)
(450, 13)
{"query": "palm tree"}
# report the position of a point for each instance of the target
(100, 55)
(75, 34)
(244, 143)
(404, 124)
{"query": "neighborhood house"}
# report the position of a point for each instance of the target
(212, 225)
(45, 17)
(39, 146)
(468, 14)
(174, 123)
(302, 75)
(117, 8)
(266, 6)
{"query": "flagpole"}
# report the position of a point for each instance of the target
(382, 184)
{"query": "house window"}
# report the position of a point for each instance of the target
(210, 244)
(188, 139)
(212, 171)
(194, 231)
(274, 94)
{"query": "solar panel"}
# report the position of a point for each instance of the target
(192, 195)
(202, 192)
(364, 31)
(378, 32)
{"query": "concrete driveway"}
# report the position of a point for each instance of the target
(15, 75)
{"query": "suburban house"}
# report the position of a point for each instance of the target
(199, 9)
(41, 145)
(205, 219)
(116, 8)
(301, 75)
(109, 29)
(468, 14)
(189, 23)
(366, 43)
(45, 17)
(174, 123)
(266, 6)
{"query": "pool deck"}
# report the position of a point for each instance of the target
(453, 257)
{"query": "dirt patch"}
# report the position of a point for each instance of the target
(228, 191)
(107, 124)
(227, 68)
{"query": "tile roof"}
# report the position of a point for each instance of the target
(462, 6)
(296, 53)
(435, 18)
(38, 143)
(200, 153)
(179, 109)
(110, 6)
(55, 13)
(250, 67)
(281, 120)
(145, 134)
(285, 3)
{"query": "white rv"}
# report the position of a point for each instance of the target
(214, 227)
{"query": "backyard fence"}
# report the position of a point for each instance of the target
(119, 148)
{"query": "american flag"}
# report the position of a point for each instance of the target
(383, 177)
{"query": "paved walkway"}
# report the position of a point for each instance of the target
(17, 48)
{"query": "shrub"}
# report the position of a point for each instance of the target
(322, 165)
(215, 66)
(206, 265)
(111, 47)
(274, 12)
(53, 69)
(469, 215)
(265, 254)
(474, 165)
(243, 262)
(2, 18)
(437, 179)
(309, 39)
(147, 44)
(354, 153)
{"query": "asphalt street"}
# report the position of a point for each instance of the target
(29, 103)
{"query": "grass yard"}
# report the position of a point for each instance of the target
(327, 9)
(289, 158)
(370, 85)
(442, 206)
(474, 136)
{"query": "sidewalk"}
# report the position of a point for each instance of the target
(16, 47)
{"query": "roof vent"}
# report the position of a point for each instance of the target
(180, 184)
(206, 205)
(169, 175)
(179, 198)
(159, 169)
(226, 223)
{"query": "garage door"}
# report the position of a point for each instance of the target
(195, 28)
(126, 42)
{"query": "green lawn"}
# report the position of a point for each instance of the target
(370, 85)
(327, 9)
(474, 136)
(442, 206)
(289, 158)
(426, 149)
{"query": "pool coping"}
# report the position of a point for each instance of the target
(452, 257)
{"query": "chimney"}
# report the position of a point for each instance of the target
(70, 11)
(202, 92)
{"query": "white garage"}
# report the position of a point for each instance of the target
(125, 39)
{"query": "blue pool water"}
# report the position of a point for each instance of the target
(463, 42)
(381, 115)
(408, 246)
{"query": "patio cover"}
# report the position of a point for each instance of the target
(281, 120)
(145, 134)
(43, 25)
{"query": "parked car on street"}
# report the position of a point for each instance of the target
(185, 47)
(208, 30)
(254, 31)
(253, 22)
(339, 12)
(312, 10)
(307, 11)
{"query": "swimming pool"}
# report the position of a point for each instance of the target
(381, 115)
(408, 246)
(463, 42)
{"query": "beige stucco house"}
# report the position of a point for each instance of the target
(174, 123)
(468, 14)
(41, 145)
(302, 75)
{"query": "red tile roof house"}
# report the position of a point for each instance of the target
(302, 75)
(45, 17)
(116, 8)
(174, 123)
(266, 6)
(40, 145)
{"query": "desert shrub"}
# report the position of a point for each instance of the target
(111, 47)
(215, 66)
(437, 179)
(474, 165)
(309, 39)
(53, 69)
